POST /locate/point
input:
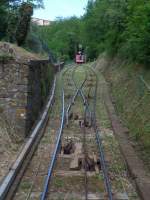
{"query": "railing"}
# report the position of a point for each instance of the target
(15, 169)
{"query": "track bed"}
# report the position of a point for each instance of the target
(88, 163)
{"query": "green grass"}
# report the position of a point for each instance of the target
(132, 101)
(58, 182)
(25, 185)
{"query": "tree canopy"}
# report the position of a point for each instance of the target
(12, 14)
(63, 36)
(119, 27)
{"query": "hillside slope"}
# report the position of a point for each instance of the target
(129, 85)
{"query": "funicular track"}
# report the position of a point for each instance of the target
(91, 111)
(88, 114)
(71, 149)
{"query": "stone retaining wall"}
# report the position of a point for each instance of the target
(40, 78)
(24, 87)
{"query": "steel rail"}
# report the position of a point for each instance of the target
(84, 137)
(82, 95)
(99, 142)
(104, 167)
(93, 112)
(100, 146)
(98, 139)
(75, 96)
(85, 156)
(73, 100)
(58, 140)
(54, 156)
(16, 167)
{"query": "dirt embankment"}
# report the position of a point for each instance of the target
(129, 85)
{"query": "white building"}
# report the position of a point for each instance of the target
(41, 22)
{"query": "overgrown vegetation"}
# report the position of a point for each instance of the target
(15, 17)
(63, 36)
(132, 101)
(117, 27)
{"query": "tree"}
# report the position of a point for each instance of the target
(62, 36)
(11, 15)
(3, 18)
(25, 13)
(136, 34)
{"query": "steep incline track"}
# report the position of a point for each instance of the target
(69, 162)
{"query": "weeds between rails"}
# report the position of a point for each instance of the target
(97, 132)
(67, 102)
(92, 116)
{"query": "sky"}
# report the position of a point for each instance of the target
(61, 8)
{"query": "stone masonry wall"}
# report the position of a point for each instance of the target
(24, 87)
(13, 94)
(40, 79)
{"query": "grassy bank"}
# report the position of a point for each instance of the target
(129, 87)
